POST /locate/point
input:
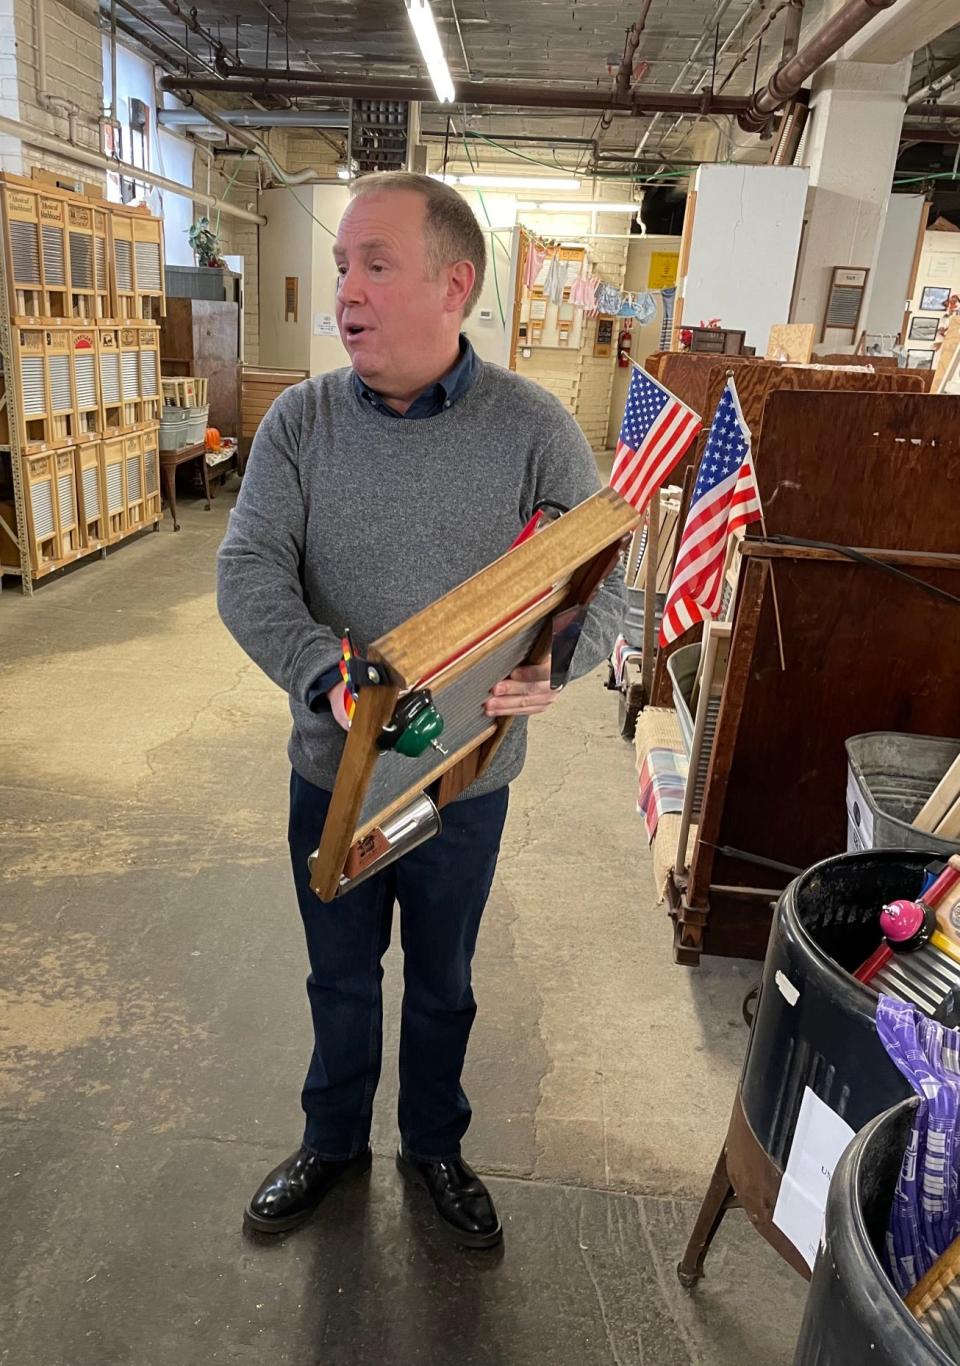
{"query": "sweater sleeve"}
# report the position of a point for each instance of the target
(259, 564)
(567, 474)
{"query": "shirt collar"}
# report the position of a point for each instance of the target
(442, 394)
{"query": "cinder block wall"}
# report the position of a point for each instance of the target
(74, 71)
(580, 380)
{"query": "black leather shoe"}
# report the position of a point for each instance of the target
(459, 1196)
(292, 1191)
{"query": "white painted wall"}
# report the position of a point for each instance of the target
(286, 248)
(939, 267)
(327, 203)
(743, 250)
(496, 213)
(939, 264)
(293, 242)
(11, 149)
(891, 277)
(167, 154)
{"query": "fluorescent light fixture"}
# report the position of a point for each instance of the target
(581, 206)
(425, 29)
(520, 182)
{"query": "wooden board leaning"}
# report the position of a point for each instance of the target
(385, 802)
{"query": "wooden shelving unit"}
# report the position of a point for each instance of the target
(81, 289)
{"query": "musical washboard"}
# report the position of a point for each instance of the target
(459, 647)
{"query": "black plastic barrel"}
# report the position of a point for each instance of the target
(854, 1316)
(814, 1024)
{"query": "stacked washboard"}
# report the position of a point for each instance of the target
(80, 396)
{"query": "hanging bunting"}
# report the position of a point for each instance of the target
(668, 295)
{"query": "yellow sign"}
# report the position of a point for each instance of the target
(663, 269)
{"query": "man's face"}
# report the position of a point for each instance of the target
(395, 321)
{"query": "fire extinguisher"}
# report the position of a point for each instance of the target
(624, 343)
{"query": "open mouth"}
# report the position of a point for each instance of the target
(355, 329)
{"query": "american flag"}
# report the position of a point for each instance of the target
(656, 433)
(725, 497)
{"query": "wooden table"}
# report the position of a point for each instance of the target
(170, 462)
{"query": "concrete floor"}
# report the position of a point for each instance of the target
(154, 1033)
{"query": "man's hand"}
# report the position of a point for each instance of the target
(526, 692)
(335, 698)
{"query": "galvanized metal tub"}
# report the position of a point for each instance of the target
(889, 777)
(854, 1316)
(634, 617)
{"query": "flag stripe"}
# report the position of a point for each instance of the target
(656, 433)
(661, 458)
(725, 498)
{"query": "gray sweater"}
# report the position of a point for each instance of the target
(348, 518)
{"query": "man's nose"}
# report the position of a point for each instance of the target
(350, 288)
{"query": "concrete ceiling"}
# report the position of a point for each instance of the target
(561, 44)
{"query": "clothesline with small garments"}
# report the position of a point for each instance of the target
(588, 290)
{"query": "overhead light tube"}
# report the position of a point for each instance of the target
(520, 182)
(425, 30)
(581, 206)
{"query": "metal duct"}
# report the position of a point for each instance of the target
(252, 118)
(827, 41)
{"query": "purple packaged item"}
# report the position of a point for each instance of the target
(925, 1214)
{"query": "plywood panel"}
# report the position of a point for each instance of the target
(791, 342)
(863, 651)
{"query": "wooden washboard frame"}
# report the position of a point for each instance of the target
(460, 646)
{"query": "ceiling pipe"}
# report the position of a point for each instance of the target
(463, 46)
(154, 28)
(625, 74)
(189, 18)
(741, 23)
(824, 44)
(477, 92)
(934, 111)
(549, 139)
(163, 58)
(705, 37)
(253, 144)
(113, 62)
(924, 133)
(86, 157)
(934, 80)
(791, 30)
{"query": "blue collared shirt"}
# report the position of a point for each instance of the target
(450, 387)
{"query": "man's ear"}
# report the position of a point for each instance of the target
(460, 280)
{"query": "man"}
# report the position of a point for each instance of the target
(370, 492)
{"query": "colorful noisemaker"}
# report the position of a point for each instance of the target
(919, 958)
(349, 684)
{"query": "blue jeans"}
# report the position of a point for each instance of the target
(441, 888)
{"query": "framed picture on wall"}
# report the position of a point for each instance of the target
(920, 360)
(923, 329)
(934, 298)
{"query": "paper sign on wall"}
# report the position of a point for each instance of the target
(663, 269)
(818, 1144)
(324, 325)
